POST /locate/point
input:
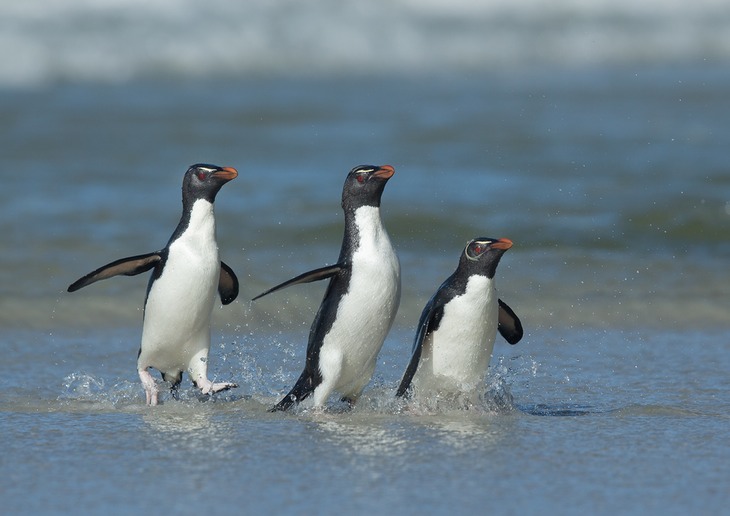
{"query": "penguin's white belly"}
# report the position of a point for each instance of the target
(456, 356)
(365, 313)
(178, 309)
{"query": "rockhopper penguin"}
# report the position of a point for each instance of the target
(456, 331)
(187, 272)
(360, 302)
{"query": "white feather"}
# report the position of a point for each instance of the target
(456, 356)
(176, 332)
(365, 314)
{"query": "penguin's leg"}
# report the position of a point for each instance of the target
(198, 371)
(150, 386)
(330, 367)
(350, 400)
(352, 397)
(352, 392)
(174, 380)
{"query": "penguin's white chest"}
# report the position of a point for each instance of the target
(456, 356)
(366, 312)
(180, 301)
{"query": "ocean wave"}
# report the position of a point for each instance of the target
(76, 40)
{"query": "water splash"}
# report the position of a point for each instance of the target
(82, 389)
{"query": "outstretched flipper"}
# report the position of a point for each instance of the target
(509, 325)
(307, 277)
(227, 284)
(430, 319)
(130, 266)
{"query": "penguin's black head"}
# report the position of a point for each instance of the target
(203, 181)
(482, 255)
(364, 186)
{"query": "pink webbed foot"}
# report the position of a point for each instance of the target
(150, 387)
(208, 387)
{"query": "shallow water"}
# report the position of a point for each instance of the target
(606, 166)
(582, 422)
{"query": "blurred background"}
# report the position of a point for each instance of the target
(113, 41)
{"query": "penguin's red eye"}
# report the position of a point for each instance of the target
(201, 175)
(478, 249)
(360, 179)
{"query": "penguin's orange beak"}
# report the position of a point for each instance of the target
(384, 172)
(502, 243)
(226, 173)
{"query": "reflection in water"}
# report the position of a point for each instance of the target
(193, 432)
(363, 435)
(384, 426)
(190, 428)
(464, 431)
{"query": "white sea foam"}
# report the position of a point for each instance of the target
(114, 40)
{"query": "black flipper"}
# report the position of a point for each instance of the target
(509, 325)
(227, 284)
(301, 391)
(307, 277)
(130, 266)
(430, 319)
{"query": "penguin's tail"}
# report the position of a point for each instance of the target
(284, 404)
(301, 391)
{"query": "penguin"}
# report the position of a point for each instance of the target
(181, 291)
(360, 302)
(457, 328)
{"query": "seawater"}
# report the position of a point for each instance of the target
(611, 183)
(606, 165)
(575, 422)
